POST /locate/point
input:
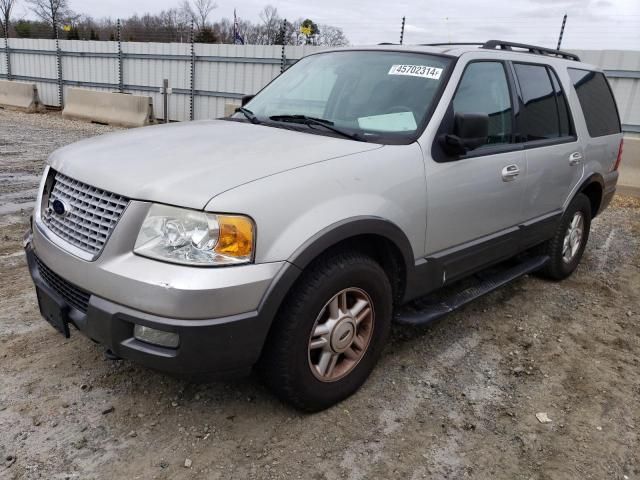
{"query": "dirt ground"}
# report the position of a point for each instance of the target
(455, 400)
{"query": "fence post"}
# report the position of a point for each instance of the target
(120, 73)
(7, 50)
(283, 60)
(564, 21)
(59, 65)
(402, 31)
(193, 74)
(165, 99)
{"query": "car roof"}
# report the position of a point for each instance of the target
(493, 48)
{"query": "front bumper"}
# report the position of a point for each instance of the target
(224, 346)
(152, 286)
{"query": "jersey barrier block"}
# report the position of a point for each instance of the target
(119, 109)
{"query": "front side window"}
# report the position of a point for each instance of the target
(379, 96)
(543, 112)
(597, 102)
(484, 89)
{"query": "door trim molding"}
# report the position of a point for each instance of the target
(454, 263)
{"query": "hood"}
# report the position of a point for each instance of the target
(186, 164)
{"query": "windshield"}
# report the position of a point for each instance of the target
(376, 96)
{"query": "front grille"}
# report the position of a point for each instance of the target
(74, 296)
(92, 216)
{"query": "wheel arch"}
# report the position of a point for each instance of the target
(364, 227)
(380, 238)
(593, 188)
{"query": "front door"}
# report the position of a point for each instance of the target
(475, 202)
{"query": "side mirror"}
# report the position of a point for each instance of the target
(246, 99)
(470, 131)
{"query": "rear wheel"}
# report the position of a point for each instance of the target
(329, 333)
(566, 247)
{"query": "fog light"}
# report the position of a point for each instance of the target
(156, 337)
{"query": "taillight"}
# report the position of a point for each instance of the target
(619, 159)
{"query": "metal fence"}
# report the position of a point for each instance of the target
(204, 77)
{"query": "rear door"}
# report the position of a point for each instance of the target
(601, 122)
(555, 160)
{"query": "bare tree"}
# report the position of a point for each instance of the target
(331, 36)
(199, 11)
(272, 21)
(173, 25)
(5, 12)
(51, 12)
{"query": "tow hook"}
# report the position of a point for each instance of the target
(109, 355)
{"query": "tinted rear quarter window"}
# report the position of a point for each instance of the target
(597, 102)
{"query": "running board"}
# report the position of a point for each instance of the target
(427, 309)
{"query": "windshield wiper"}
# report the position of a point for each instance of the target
(249, 114)
(328, 124)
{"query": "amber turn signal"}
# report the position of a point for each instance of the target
(236, 237)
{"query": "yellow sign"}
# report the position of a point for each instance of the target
(305, 30)
(66, 28)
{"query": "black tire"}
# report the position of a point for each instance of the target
(286, 365)
(557, 268)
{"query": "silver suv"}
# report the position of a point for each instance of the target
(344, 195)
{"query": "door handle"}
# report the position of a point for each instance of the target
(575, 158)
(510, 172)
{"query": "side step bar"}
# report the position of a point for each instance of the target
(427, 309)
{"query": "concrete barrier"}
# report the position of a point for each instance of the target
(230, 108)
(20, 96)
(629, 181)
(106, 107)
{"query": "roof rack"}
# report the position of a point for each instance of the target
(449, 43)
(501, 45)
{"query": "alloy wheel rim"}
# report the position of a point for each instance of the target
(573, 238)
(341, 334)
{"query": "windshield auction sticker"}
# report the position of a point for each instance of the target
(416, 71)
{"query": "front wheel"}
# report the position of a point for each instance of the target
(566, 247)
(329, 333)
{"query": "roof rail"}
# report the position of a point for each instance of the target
(501, 45)
(449, 43)
(388, 43)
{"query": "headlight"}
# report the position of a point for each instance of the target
(195, 238)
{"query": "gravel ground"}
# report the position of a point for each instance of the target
(25, 142)
(455, 400)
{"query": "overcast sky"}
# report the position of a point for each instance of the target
(591, 23)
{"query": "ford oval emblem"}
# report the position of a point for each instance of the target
(60, 207)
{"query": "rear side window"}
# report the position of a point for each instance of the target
(543, 112)
(564, 116)
(597, 102)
